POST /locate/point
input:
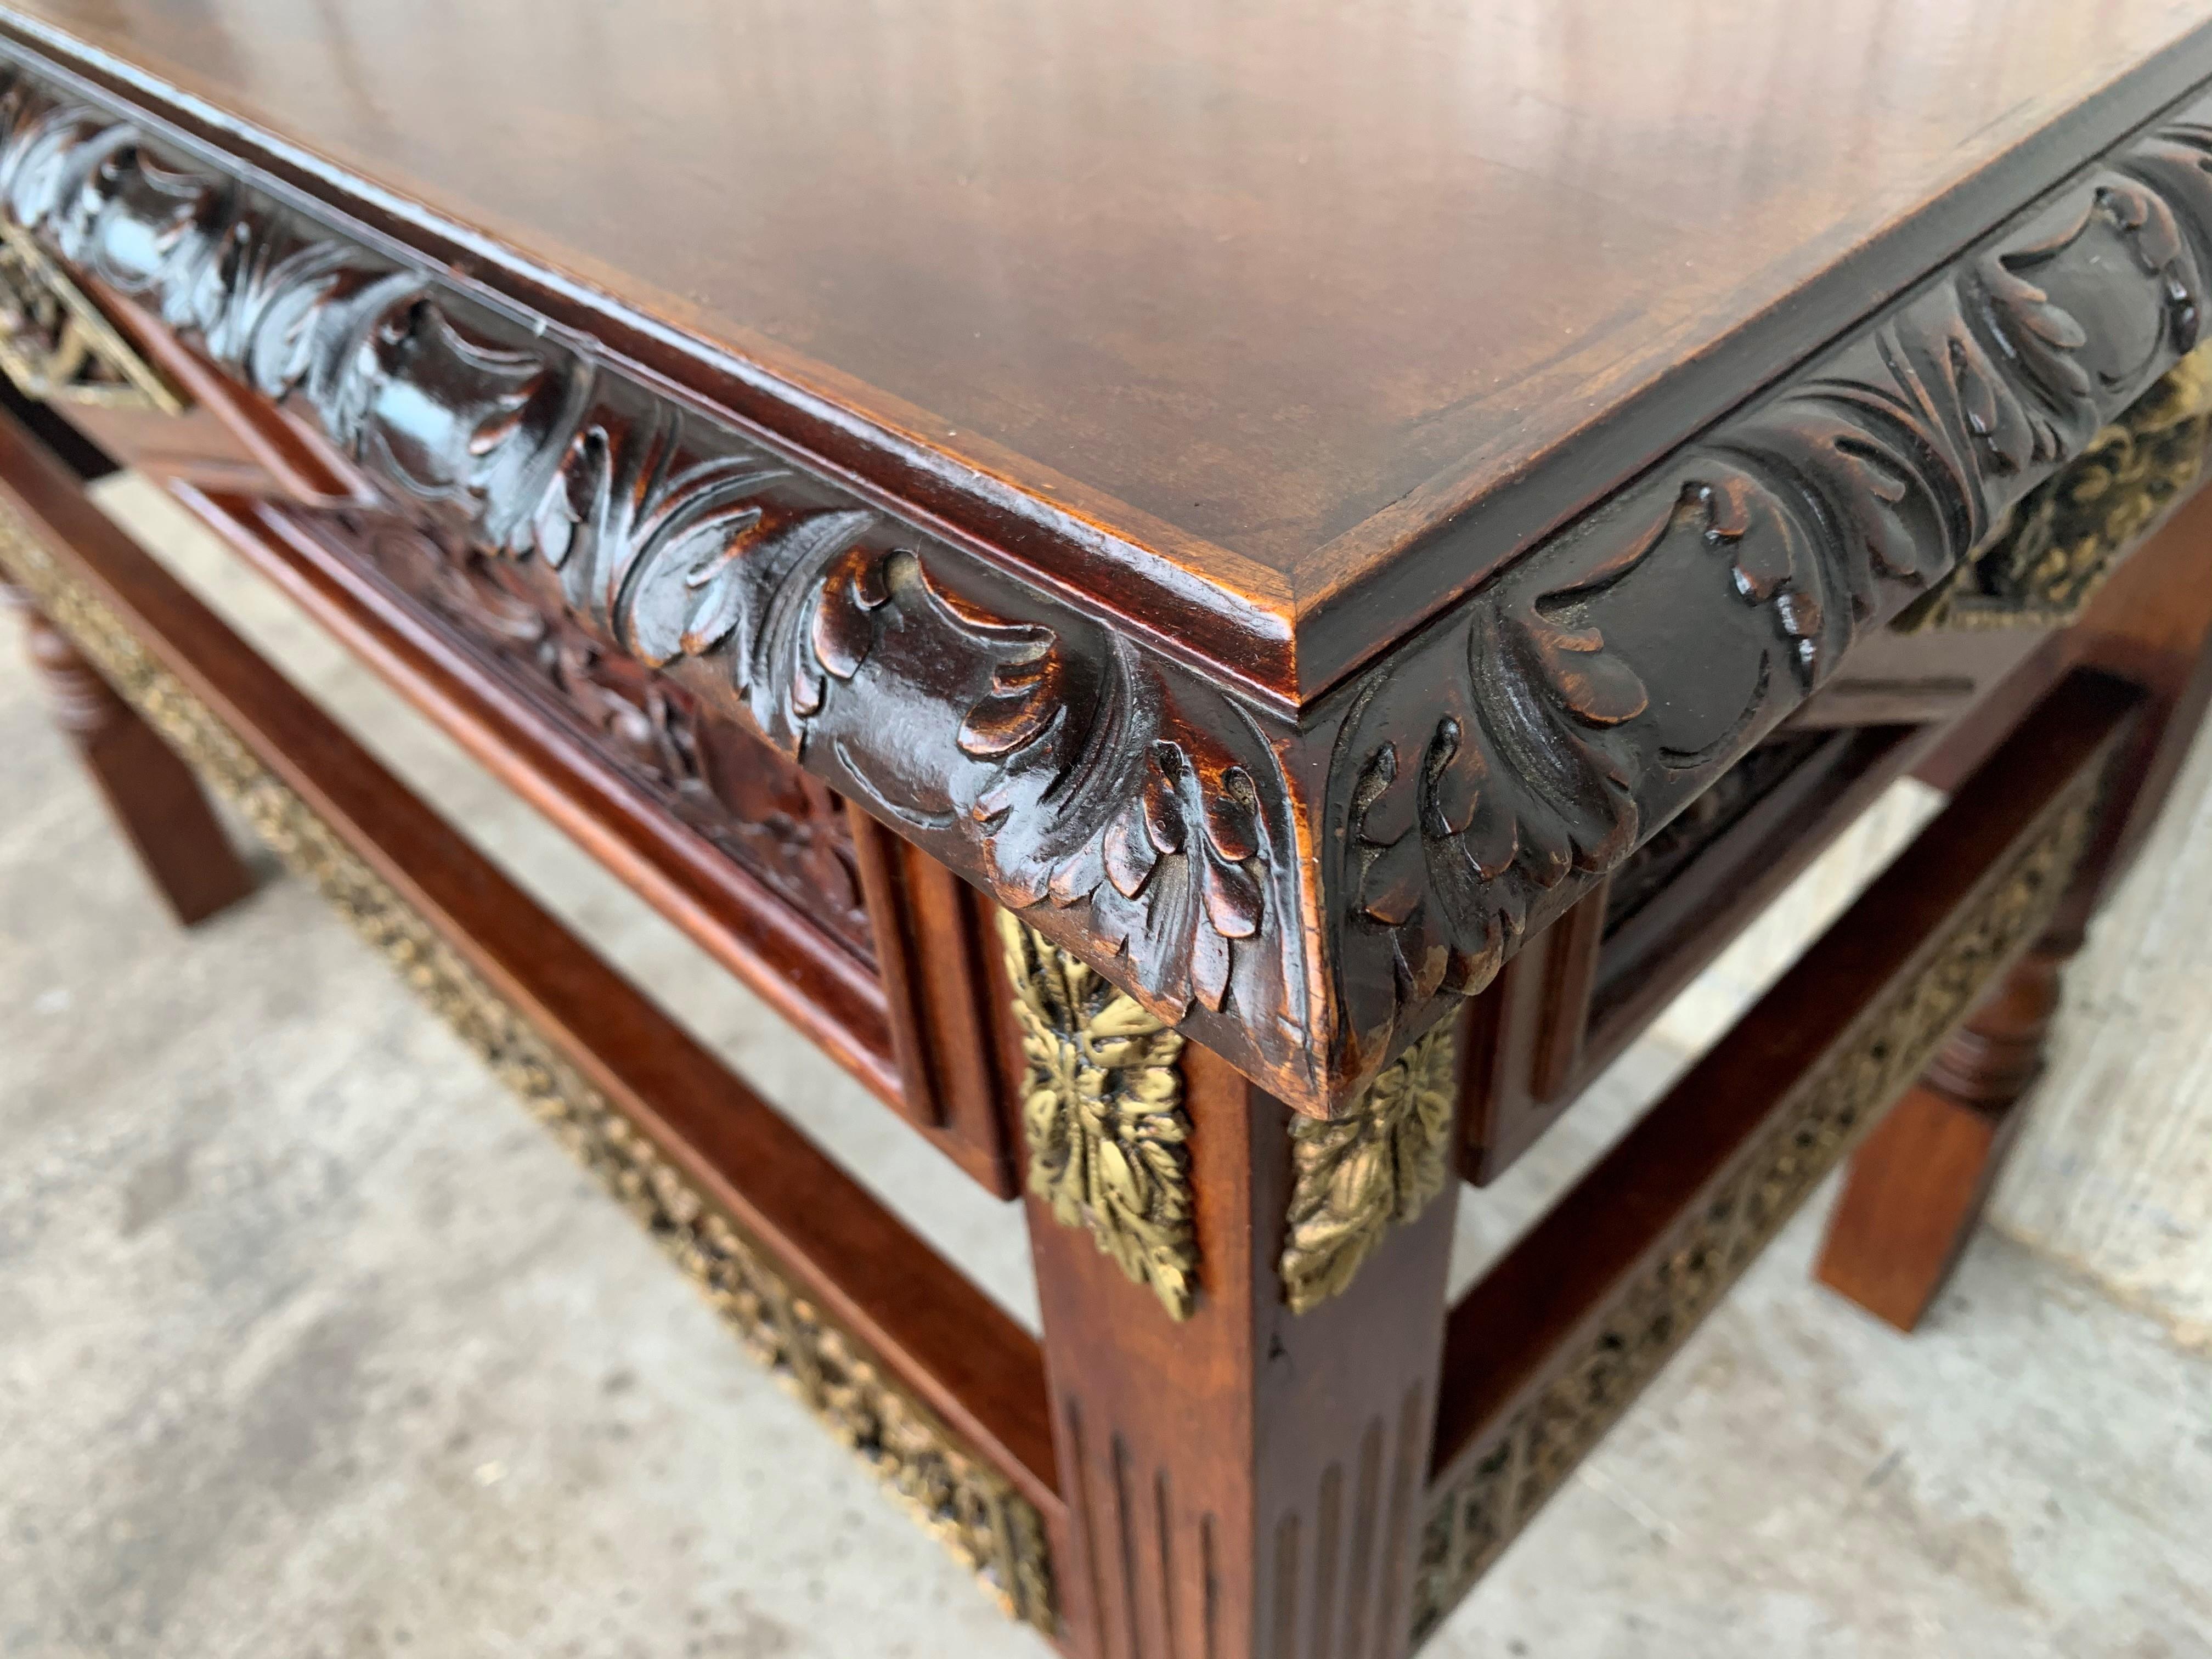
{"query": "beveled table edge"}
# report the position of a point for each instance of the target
(1304, 895)
(1284, 643)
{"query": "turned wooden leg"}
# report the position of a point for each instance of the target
(153, 794)
(1243, 1320)
(1917, 1186)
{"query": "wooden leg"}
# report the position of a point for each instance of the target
(1241, 1477)
(1916, 1188)
(152, 793)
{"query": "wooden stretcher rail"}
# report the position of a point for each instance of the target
(1552, 1347)
(937, 1388)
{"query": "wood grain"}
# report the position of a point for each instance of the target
(1306, 884)
(1050, 258)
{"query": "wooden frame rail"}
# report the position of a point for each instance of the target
(1550, 1347)
(1575, 998)
(935, 1387)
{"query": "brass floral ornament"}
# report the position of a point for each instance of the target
(1356, 1178)
(2065, 537)
(1102, 1113)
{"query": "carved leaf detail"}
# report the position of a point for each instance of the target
(1834, 502)
(1461, 802)
(1523, 784)
(1166, 843)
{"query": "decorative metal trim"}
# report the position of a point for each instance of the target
(1101, 1112)
(58, 347)
(971, 1509)
(1356, 1178)
(2066, 536)
(1831, 1107)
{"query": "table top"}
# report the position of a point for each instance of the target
(1268, 293)
(1287, 499)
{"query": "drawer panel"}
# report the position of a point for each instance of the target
(819, 909)
(714, 777)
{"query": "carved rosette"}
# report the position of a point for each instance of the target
(1103, 1116)
(1355, 1178)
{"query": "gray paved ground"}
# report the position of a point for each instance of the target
(311, 1344)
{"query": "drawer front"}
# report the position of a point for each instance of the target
(711, 776)
(868, 946)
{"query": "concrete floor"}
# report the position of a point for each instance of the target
(311, 1344)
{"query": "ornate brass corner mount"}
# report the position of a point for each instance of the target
(1103, 1116)
(2066, 535)
(58, 347)
(1355, 1178)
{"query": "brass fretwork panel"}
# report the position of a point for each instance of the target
(956, 1494)
(57, 347)
(2062, 540)
(1827, 1112)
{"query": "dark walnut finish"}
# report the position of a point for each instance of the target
(1286, 325)
(1223, 651)
(1305, 874)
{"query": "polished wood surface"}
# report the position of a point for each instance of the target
(1048, 710)
(1916, 1188)
(1264, 294)
(969, 444)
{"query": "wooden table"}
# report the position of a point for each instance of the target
(1220, 602)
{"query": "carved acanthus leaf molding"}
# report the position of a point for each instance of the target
(2051, 556)
(1125, 802)
(1101, 1114)
(1595, 688)
(1354, 1178)
(1304, 897)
